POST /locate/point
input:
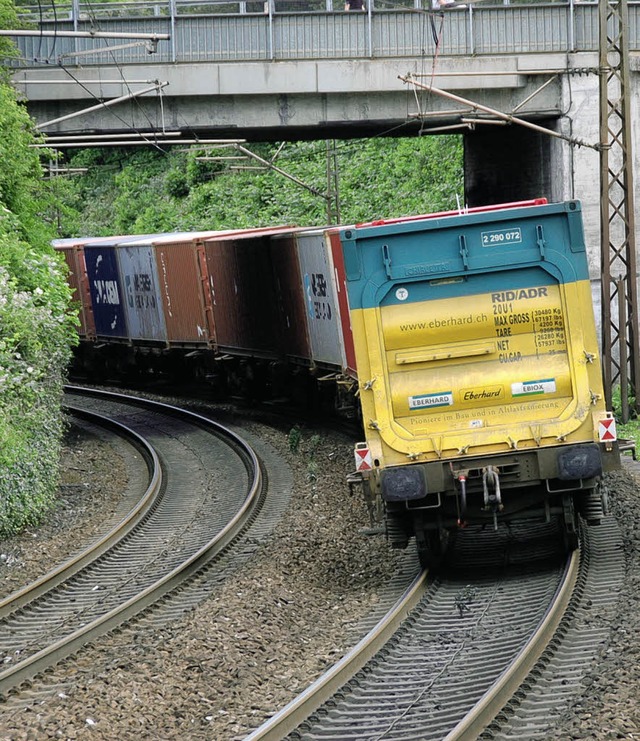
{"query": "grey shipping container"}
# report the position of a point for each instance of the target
(323, 318)
(142, 302)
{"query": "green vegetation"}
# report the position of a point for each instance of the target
(294, 437)
(148, 191)
(36, 327)
(629, 430)
(151, 190)
(308, 448)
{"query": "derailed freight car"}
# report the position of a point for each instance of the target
(479, 372)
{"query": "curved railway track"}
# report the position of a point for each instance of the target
(470, 640)
(205, 486)
(445, 664)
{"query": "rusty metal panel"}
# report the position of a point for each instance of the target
(292, 306)
(340, 287)
(184, 293)
(243, 296)
(184, 285)
(73, 253)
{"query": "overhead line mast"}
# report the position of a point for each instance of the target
(617, 218)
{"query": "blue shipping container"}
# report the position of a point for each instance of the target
(106, 291)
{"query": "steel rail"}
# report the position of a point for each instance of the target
(497, 696)
(52, 654)
(485, 710)
(301, 707)
(67, 569)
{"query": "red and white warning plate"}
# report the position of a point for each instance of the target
(363, 457)
(607, 430)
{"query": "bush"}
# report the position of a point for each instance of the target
(34, 352)
(36, 327)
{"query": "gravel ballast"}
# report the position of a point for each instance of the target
(273, 628)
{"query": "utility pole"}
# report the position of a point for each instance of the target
(333, 184)
(617, 217)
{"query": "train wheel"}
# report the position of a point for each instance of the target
(432, 545)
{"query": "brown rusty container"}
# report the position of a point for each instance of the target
(244, 301)
(184, 285)
(73, 251)
(290, 297)
(184, 289)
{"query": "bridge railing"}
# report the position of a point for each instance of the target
(259, 30)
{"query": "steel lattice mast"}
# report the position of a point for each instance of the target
(617, 218)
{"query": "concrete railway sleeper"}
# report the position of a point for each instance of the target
(475, 640)
(190, 513)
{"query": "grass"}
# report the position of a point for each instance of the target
(630, 431)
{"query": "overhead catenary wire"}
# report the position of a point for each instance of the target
(86, 83)
(95, 97)
(32, 81)
(69, 138)
(133, 143)
(102, 104)
(150, 139)
(86, 34)
(428, 14)
(499, 114)
(97, 33)
(299, 156)
(55, 28)
(119, 68)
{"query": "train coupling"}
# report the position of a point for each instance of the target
(491, 491)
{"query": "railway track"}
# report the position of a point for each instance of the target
(468, 613)
(205, 486)
(474, 643)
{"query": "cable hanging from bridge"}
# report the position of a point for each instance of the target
(506, 117)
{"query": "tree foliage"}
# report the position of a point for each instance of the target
(8, 19)
(128, 192)
(36, 327)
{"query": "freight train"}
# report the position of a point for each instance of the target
(466, 341)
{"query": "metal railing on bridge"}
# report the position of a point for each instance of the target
(271, 30)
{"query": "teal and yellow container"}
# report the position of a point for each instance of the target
(476, 346)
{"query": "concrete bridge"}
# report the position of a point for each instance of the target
(276, 70)
(291, 74)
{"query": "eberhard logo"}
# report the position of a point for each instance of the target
(429, 401)
(426, 269)
(483, 393)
